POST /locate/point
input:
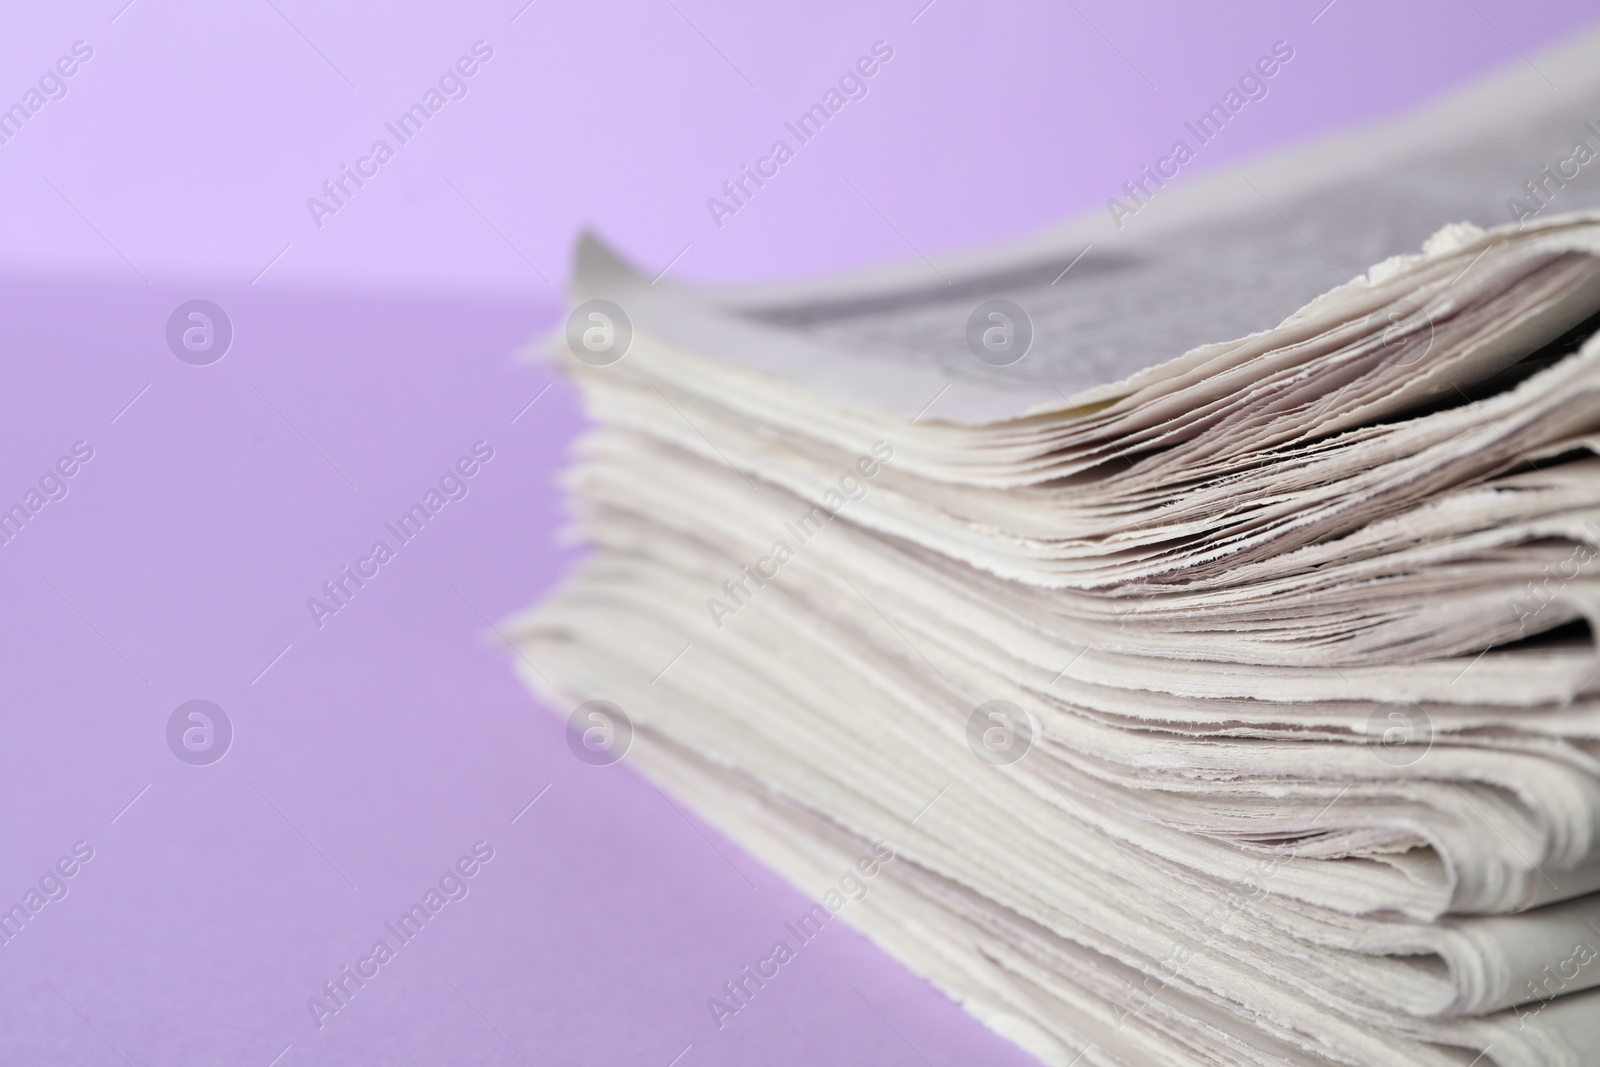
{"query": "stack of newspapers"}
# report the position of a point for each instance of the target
(1199, 614)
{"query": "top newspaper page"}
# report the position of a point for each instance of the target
(1112, 297)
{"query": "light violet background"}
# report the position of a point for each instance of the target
(371, 353)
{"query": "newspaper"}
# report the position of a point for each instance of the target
(1206, 262)
(1219, 666)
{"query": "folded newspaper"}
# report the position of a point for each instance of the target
(1200, 608)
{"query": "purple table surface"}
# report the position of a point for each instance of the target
(372, 351)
